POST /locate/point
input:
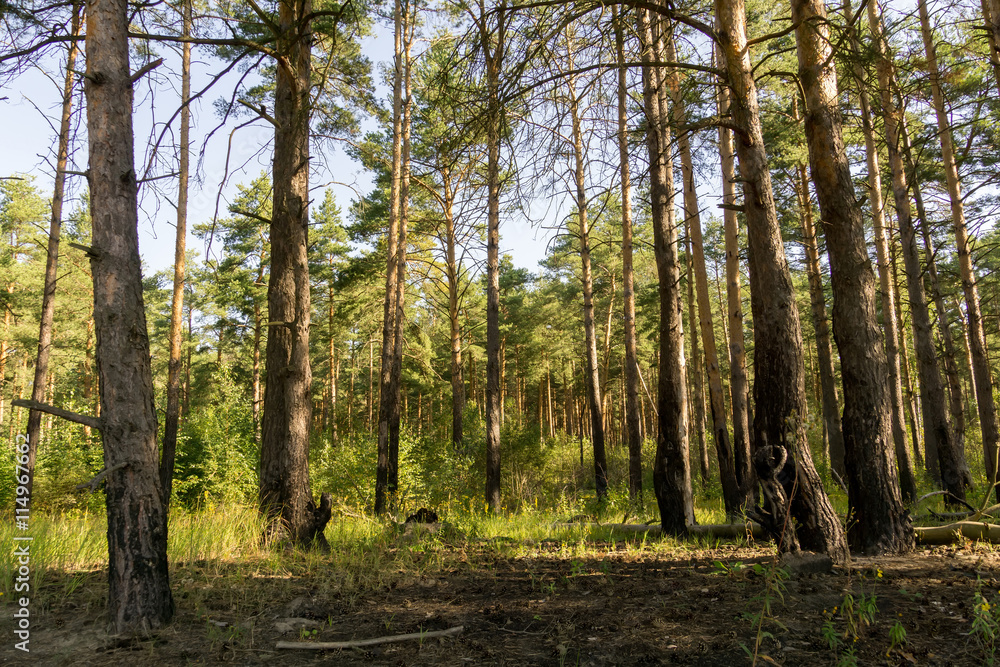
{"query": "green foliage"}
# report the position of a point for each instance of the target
(217, 456)
(986, 624)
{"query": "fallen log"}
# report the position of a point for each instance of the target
(949, 534)
(723, 530)
(360, 643)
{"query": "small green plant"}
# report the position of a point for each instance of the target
(774, 577)
(855, 614)
(897, 636)
(306, 633)
(986, 624)
(728, 569)
(576, 568)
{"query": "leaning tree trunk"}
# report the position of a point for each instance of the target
(937, 432)
(632, 419)
(671, 468)
(593, 384)
(782, 458)
(139, 598)
(51, 258)
(904, 461)
(880, 523)
(738, 383)
(824, 348)
(983, 378)
(285, 497)
(731, 495)
(172, 416)
(388, 380)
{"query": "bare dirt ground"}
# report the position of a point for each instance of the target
(619, 607)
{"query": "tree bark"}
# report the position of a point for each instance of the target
(824, 348)
(139, 598)
(904, 462)
(983, 379)
(285, 497)
(782, 459)
(991, 15)
(388, 380)
(172, 417)
(696, 382)
(593, 380)
(738, 383)
(51, 258)
(732, 497)
(633, 429)
(494, 45)
(937, 432)
(671, 468)
(880, 523)
(455, 324)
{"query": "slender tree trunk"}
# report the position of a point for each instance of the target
(258, 332)
(455, 324)
(909, 395)
(738, 383)
(593, 384)
(880, 521)
(139, 598)
(284, 455)
(983, 378)
(51, 259)
(671, 468)
(494, 45)
(904, 461)
(696, 384)
(937, 432)
(388, 381)
(782, 458)
(632, 417)
(172, 416)
(732, 497)
(824, 347)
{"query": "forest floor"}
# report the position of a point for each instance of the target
(548, 602)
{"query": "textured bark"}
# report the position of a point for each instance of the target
(738, 383)
(285, 497)
(909, 395)
(454, 322)
(51, 258)
(904, 461)
(880, 523)
(494, 48)
(671, 469)
(593, 380)
(937, 432)
(732, 497)
(172, 417)
(983, 379)
(139, 598)
(824, 347)
(696, 379)
(388, 381)
(633, 430)
(782, 458)
(991, 15)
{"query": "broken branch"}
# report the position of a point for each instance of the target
(86, 420)
(357, 643)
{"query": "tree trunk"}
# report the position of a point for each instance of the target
(284, 457)
(494, 48)
(671, 468)
(904, 462)
(937, 432)
(51, 258)
(388, 381)
(738, 383)
(696, 384)
(983, 379)
(782, 458)
(991, 15)
(732, 497)
(633, 431)
(172, 417)
(824, 347)
(455, 324)
(593, 383)
(909, 395)
(880, 523)
(139, 598)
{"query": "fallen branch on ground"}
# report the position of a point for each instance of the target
(973, 530)
(358, 643)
